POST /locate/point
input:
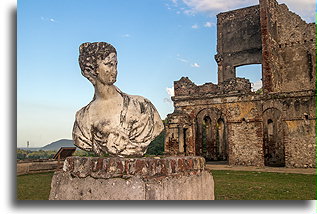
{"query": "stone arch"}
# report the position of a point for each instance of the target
(211, 137)
(273, 138)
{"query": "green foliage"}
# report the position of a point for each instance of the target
(259, 91)
(33, 155)
(21, 154)
(82, 153)
(156, 147)
(27, 154)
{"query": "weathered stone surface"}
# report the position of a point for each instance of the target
(229, 122)
(66, 187)
(288, 47)
(239, 40)
(170, 178)
(113, 122)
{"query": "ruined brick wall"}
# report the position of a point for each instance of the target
(300, 149)
(246, 145)
(239, 40)
(243, 116)
(235, 85)
(288, 46)
(276, 128)
(270, 34)
(179, 136)
(298, 116)
(185, 87)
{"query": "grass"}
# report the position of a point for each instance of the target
(34, 186)
(238, 185)
(229, 185)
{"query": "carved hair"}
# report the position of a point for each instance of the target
(89, 53)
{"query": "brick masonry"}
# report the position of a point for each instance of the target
(168, 178)
(227, 121)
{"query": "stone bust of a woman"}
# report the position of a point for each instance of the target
(113, 122)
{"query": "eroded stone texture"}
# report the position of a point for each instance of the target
(113, 122)
(170, 178)
(229, 122)
(239, 40)
(288, 46)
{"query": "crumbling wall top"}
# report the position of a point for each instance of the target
(185, 87)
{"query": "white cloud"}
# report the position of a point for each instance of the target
(209, 24)
(195, 26)
(48, 19)
(168, 6)
(256, 85)
(304, 8)
(195, 65)
(182, 60)
(126, 35)
(189, 12)
(216, 5)
(188, 62)
(174, 2)
(170, 91)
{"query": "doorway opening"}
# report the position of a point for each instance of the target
(273, 143)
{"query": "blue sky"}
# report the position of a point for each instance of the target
(157, 41)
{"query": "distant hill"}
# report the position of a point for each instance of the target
(58, 144)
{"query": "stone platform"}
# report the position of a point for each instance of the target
(168, 178)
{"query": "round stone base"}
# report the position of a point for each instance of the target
(168, 178)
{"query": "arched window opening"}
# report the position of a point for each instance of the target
(220, 140)
(206, 134)
(270, 127)
(185, 140)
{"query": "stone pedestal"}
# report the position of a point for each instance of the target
(168, 178)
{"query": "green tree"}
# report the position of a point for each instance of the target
(156, 147)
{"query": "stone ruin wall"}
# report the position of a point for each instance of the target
(185, 87)
(238, 40)
(244, 121)
(288, 46)
(285, 45)
(271, 35)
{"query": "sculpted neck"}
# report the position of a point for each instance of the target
(105, 92)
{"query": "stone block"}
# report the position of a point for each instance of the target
(168, 178)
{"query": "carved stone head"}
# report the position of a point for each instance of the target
(91, 55)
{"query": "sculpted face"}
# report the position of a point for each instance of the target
(107, 69)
